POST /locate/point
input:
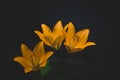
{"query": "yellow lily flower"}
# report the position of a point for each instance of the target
(52, 38)
(32, 61)
(76, 41)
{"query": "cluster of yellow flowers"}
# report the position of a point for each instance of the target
(73, 41)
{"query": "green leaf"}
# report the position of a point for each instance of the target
(45, 70)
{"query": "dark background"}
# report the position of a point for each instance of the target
(21, 18)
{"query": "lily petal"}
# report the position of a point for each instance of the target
(83, 37)
(58, 42)
(69, 32)
(47, 55)
(39, 52)
(46, 30)
(89, 44)
(41, 61)
(26, 52)
(49, 39)
(39, 49)
(58, 29)
(25, 63)
(41, 36)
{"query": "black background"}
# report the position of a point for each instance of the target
(21, 18)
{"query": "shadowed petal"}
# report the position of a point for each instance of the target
(49, 39)
(28, 69)
(25, 63)
(75, 50)
(41, 61)
(58, 41)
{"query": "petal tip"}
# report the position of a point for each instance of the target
(14, 59)
(94, 43)
(36, 31)
(87, 30)
(70, 23)
(43, 25)
(23, 45)
(59, 21)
